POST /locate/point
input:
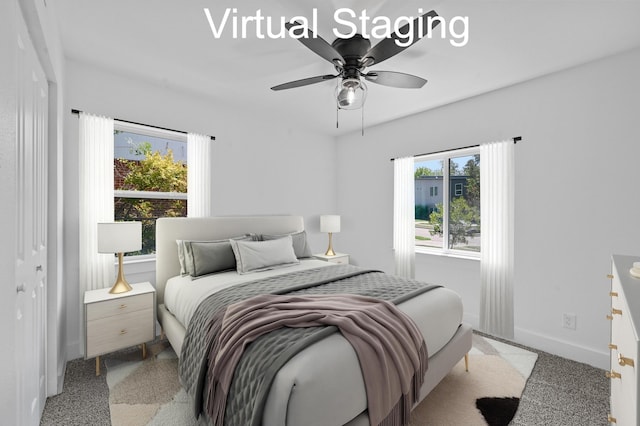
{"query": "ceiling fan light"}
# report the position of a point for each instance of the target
(351, 93)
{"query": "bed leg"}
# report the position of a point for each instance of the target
(161, 333)
(466, 362)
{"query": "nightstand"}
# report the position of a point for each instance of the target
(337, 258)
(117, 321)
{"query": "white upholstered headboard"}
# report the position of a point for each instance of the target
(168, 230)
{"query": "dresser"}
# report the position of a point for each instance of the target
(625, 345)
(117, 321)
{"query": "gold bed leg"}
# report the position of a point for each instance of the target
(97, 366)
(466, 362)
(161, 333)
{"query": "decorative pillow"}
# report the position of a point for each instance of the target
(181, 258)
(255, 256)
(300, 245)
(206, 257)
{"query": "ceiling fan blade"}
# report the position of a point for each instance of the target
(318, 45)
(395, 79)
(388, 47)
(304, 82)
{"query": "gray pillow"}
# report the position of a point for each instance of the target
(255, 256)
(300, 245)
(206, 257)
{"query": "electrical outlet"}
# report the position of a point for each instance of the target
(569, 321)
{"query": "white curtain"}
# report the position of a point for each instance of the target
(404, 226)
(198, 175)
(497, 229)
(96, 199)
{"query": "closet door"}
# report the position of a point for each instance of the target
(31, 231)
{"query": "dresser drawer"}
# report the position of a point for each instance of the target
(625, 347)
(624, 387)
(120, 306)
(116, 332)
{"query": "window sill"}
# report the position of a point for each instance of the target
(456, 255)
(143, 258)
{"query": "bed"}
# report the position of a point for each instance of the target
(322, 384)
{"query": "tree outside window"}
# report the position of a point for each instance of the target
(149, 183)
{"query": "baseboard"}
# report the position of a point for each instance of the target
(552, 345)
(61, 372)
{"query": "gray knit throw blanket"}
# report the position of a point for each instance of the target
(390, 348)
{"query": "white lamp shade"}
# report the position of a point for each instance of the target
(330, 223)
(119, 237)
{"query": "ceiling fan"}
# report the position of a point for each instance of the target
(351, 56)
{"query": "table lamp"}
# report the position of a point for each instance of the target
(119, 237)
(330, 223)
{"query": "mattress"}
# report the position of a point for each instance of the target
(437, 313)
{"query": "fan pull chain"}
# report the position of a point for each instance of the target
(362, 122)
(337, 110)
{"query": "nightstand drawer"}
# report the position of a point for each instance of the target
(121, 331)
(120, 306)
(342, 260)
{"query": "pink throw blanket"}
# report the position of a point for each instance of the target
(389, 346)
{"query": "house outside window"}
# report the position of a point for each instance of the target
(448, 221)
(150, 175)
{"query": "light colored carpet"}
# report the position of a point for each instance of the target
(148, 392)
(496, 370)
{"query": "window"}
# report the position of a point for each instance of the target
(448, 221)
(150, 174)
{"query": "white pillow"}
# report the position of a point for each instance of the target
(255, 256)
(299, 240)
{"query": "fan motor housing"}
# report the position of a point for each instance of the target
(352, 50)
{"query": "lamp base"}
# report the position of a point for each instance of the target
(330, 251)
(121, 285)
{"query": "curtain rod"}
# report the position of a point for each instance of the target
(515, 140)
(75, 111)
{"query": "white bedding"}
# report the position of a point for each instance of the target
(184, 294)
(437, 313)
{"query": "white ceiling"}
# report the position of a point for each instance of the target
(169, 42)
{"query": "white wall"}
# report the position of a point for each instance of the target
(577, 195)
(262, 165)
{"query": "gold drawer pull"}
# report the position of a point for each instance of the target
(625, 361)
(611, 419)
(615, 311)
(610, 276)
(124, 331)
(613, 375)
(613, 294)
(610, 317)
(612, 346)
(123, 306)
